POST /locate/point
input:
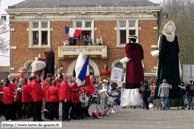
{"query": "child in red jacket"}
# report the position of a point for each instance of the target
(47, 97)
(8, 97)
(26, 98)
(54, 100)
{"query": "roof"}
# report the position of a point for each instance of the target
(81, 3)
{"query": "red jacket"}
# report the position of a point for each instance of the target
(8, 96)
(13, 88)
(37, 91)
(54, 93)
(58, 85)
(26, 95)
(64, 91)
(44, 84)
(47, 95)
(77, 94)
(1, 90)
(30, 86)
(90, 90)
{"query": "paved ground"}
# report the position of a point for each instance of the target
(137, 119)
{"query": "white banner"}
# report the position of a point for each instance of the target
(28, 124)
(116, 74)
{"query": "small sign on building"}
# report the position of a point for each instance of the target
(116, 74)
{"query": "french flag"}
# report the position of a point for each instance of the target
(72, 32)
(82, 72)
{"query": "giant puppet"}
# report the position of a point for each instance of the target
(135, 75)
(43, 66)
(169, 66)
(22, 71)
(105, 73)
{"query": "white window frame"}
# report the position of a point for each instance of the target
(127, 28)
(39, 29)
(84, 28)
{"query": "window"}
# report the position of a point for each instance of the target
(44, 24)
(44, 37)
(78, 24)
(119, 65)
(29, 70)
(91, 70)
(35, 38)
(123, 36)
(87, 28)
(3, 18)
(35, 25)
(126, 28)
(131, 23)
(39, 34)
(88, 24)
(132, 32)
(122, 24)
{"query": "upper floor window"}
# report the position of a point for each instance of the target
(3, 18)
(124, 29)
(87, 28)
(39, 33)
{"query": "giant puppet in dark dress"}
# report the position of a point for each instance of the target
(168, 67)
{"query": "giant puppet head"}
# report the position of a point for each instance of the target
(22, 71)
(169, 30)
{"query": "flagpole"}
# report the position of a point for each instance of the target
(80, 37)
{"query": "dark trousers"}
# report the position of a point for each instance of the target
(1, 108)
(37, 110)
(47, 105)
(75, 109)
(47, 113)
(145, 100)
(13, 110)
(25, 109)
(31, 109)
(8, 108)
(54, 110)
(65, 110)
(19, 109)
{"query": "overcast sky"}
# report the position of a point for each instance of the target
(4, 61)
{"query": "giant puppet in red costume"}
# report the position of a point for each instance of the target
(135, 74)
(105, 73)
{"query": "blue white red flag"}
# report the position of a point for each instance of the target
(82, 75)
(72, 32)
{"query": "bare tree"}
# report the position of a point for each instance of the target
(181, 13)
(3, 29)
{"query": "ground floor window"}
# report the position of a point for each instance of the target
(29, 70)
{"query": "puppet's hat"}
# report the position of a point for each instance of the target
(133, 37)
(169, 28)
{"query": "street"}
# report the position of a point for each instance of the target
(136, 118)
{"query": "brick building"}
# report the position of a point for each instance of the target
(4, 72)
(38, 25)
